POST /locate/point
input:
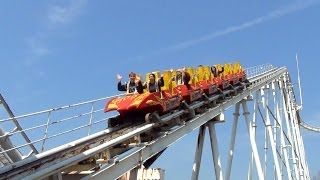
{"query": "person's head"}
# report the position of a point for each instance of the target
(179, 73)
(132, 77)
(213, 69)
(152, 77)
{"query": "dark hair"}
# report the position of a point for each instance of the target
(213, 69)
(132, 74)
(152, 74)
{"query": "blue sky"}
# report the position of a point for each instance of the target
(55, 53)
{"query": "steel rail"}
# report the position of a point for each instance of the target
(57, 154)
(60, 108)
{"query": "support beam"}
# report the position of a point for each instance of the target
(232, 140)
(198, 153)
(215, 151)
(270, 133)
(252, 140)
(254, 126)
(283, 146)
(285, 111)
(19, 128)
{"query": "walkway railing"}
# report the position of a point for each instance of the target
(257, 70)
(51, 128)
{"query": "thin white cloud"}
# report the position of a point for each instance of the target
(57, 15)
(65, 14)
(286, 10)
(37, 48)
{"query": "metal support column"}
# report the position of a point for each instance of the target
(269, 128)
(275, 128)
(296, 137)
(265, 152)
(19, 128)
(232, 140)
(293, 127)
(215, 151)
(254, 126)
(283, 146)
(285, 109)
(252, 140)
(198, 154)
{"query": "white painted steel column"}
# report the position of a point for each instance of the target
(285, 111)
(269, 128)
(215, 151)
(252, 140)
(298, 139)
(306, 165)
(265, 152)
(293, 127)
(265, 138)
(295, 141)
(250, 167)
(198, 153)
(283, 146)
(296, 131)
(232, 140)
(275, 128)
(254, 126)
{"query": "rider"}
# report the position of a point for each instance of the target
(152, 85)
(183, 77)
(215, 71)
(133, 86)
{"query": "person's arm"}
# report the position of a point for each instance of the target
(144, 85)
(222, 69)
(121, 87)
(161, 81)
(139, 87)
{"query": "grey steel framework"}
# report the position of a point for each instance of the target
(269, 101)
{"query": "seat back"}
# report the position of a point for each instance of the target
(236, 67)
(193, 75)
(168, 80)
(203, 73)
(219, 67)
(227, 70)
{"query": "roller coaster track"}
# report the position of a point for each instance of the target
(302, 123)
(309, 127)
(101, 150)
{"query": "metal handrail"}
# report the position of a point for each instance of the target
(47, 126)
(257, 70)
(60, 108)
